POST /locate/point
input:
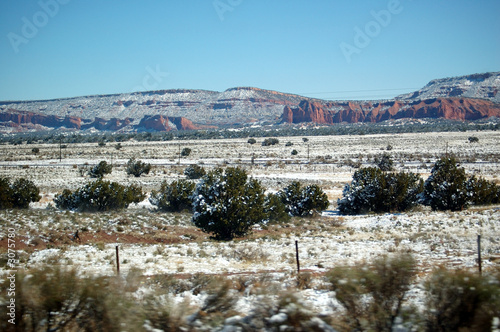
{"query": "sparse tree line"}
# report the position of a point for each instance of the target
(227, 203)
(272, 131)
(447, 188)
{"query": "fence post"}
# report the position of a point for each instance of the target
(297, 256)
(479, 253)
(117, 261)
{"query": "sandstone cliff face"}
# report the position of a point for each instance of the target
(20, 118)
(163, 123)
(29, 120)
(352, 112)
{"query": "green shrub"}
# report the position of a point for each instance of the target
(372, 190)
(446, 187)
(6, 201)
(270, 141)
(275, 209)
(294, 152)
(227, 204)
(175, 197)
(18, 194)
(473, 139)
(101, 169)
(252, 141)
(482, 192)
(137, 168)
(185, 152)
(303, 201)
(99, 196)
(384, 163)
(194, 172)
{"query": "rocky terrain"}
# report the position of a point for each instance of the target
(352, 112)
(469, 97)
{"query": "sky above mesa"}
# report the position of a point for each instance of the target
(322, 48)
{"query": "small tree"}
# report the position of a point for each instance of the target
(303, 201)
(294, 152)
(101, 169)
(376, 191)
(227, 204)
(194, 172)
(473, 139)
(446, 187)
(174, 197)
(137, 168)
(35, 150)
(252, 141)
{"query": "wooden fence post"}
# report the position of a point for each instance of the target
(479, 254)
(117, 261)
(297, 256)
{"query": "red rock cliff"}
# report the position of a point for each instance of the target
(351, 112)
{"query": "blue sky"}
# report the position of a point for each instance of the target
(321, 48)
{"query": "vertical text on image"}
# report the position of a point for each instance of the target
(12, 263)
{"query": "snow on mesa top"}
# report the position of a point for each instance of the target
(483, 86)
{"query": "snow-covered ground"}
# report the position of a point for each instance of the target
(175, 247)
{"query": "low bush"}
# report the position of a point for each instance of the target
(461, 301)
(18, 194)
(270, 141)
(303, 201)
(372, 190)
(99, 196)
(275, 209)
(101, 169)
(54, 299)
(174, 197)
(194, 172)
(384, 163)
(373, 296)
(137, 167)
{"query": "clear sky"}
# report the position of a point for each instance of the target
(328, 49)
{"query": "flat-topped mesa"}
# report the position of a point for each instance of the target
(352, 112)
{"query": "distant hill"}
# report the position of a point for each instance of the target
(482, 86)
(468, 97)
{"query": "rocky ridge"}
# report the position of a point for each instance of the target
(470, 97)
